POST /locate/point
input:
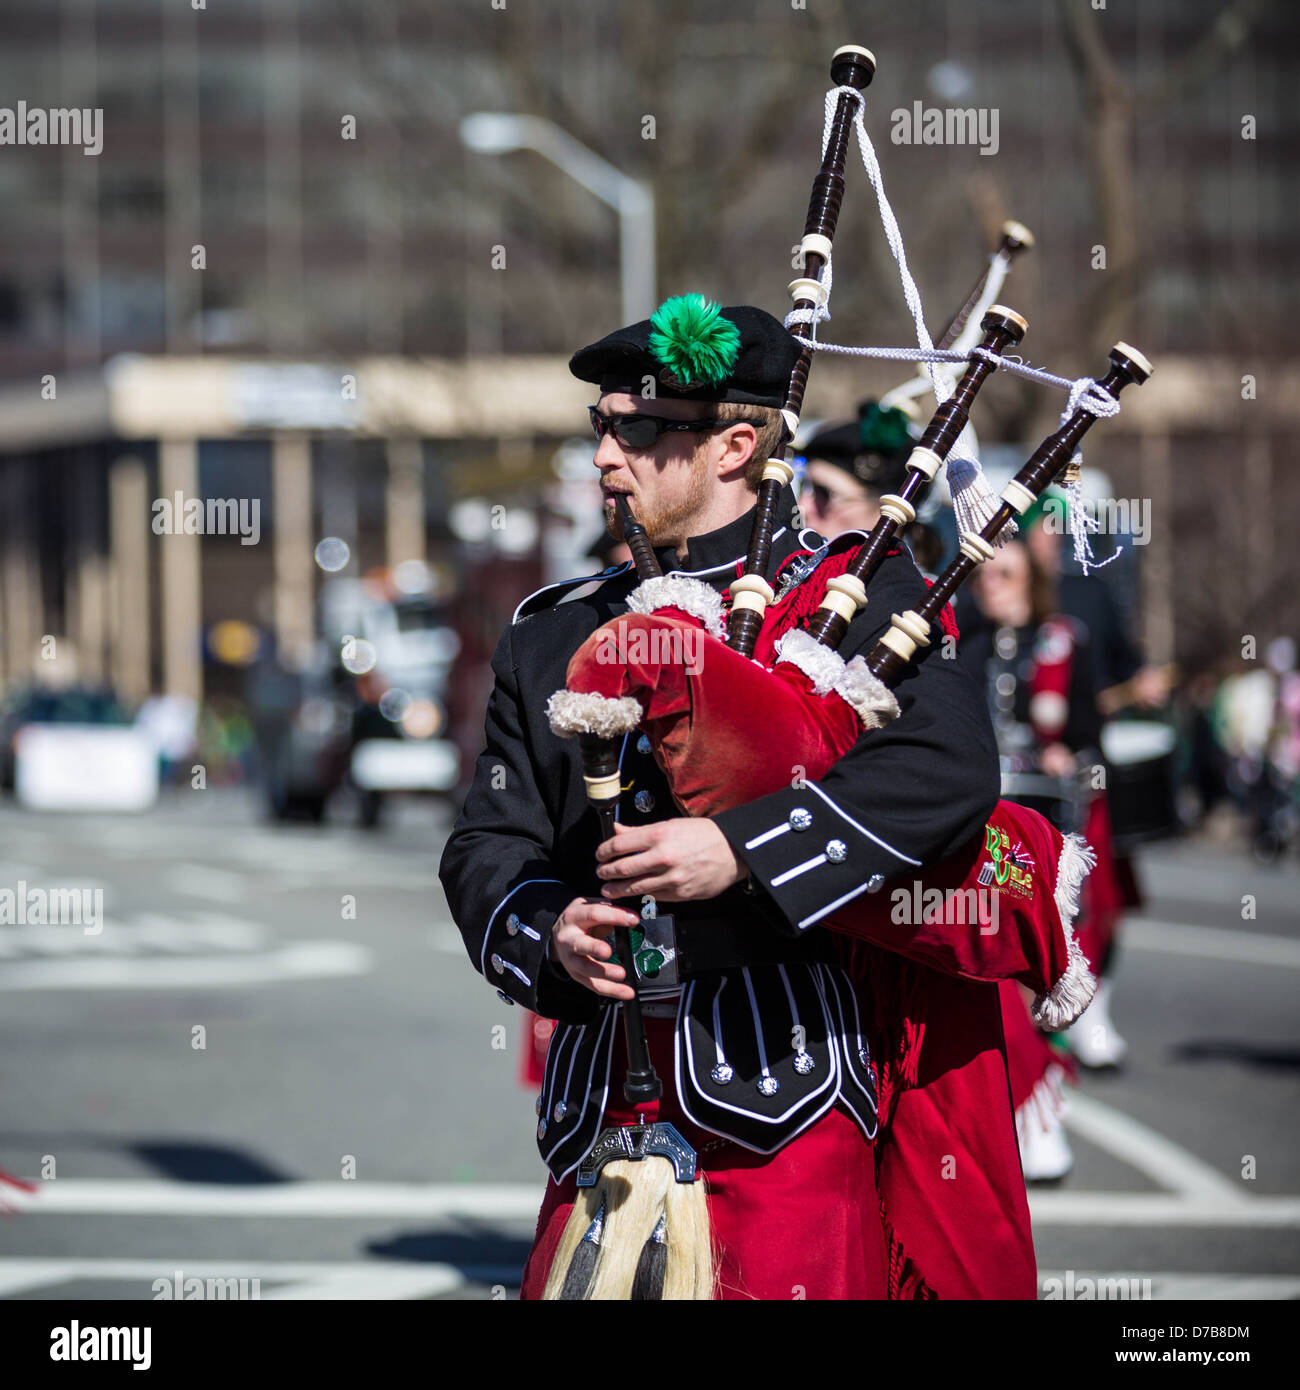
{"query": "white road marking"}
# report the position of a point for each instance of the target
(10, 872)
(1160, 1209)
(410, 1279)
(1170, 1165)
(307, 1279)
(137, 932)
(301, 960)
(203, 881)
(373, 1280)
(1210, 943)
(521, 1202)
(1197, 1287)
(61, 1196)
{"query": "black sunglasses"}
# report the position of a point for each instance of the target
(822, 496)
(643, 431)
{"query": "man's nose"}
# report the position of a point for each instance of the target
(608, 454)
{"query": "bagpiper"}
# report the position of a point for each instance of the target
(756, 1021)
(702, 772)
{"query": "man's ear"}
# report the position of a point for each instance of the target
(738, 441)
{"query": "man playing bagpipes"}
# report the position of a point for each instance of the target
(774, 1041)
(788, 1083)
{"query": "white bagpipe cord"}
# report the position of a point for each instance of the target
(922, 383)
(973, 501)
(1099, 403)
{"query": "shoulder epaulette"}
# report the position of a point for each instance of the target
(550, 594)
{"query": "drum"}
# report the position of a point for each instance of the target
(1060, 799)
(1141, 783)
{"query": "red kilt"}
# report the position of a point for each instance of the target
(1102, 900)
(1030, 1056)
(800, 1223)
(534, 1040)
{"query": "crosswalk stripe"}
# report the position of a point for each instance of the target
(1179, 1287)
(1210, 943)
(205, 881)
(296, 1279)
(1160, 1209)
(354, 1280)
(61, 1196)
(521, 1201)
(301, 960)
(1140, 1146)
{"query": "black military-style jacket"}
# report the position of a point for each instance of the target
(766, 1043)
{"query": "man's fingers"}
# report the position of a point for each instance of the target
(591, 969)
(610, 991)
(600, 977)
(633, 878)
(589, 947)
(629, 866)
(661, 886)
(627, 840)
(599, 916)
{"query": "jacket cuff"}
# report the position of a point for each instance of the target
(810, 855)
(516, 960)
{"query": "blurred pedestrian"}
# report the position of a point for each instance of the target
(1035, 663)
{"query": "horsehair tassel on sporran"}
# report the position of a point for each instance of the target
(846, 594)
(640, 1222)
(911, 630)
(582, 1265)
(851, 66)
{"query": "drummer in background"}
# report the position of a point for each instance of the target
(851, 467)
(1120, 676)
(1036, 663)
(1118, 670)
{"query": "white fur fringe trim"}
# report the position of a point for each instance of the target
(1046, 1102)
(873, 700)
(573, 712)
(868, 697)
(692, 596)
(820, 664)
(1073, 992)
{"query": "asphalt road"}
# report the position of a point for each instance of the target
(275, 1063)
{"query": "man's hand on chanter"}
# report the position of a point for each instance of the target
(679, 860)
(578, 943)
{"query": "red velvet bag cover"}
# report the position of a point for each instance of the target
(707, 709)
(952, 1197)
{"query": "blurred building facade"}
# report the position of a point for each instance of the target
(284, 278)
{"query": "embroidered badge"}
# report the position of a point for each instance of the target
(1008, 866)
(653, 947)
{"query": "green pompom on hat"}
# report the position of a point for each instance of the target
(692, 339)
(1037, 510)
(884, 431)
(874, 448)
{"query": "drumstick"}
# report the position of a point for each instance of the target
(1116, 697)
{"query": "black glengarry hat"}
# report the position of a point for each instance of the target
(874, 449)
(693, 350)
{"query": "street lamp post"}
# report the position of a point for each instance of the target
(492, 132)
